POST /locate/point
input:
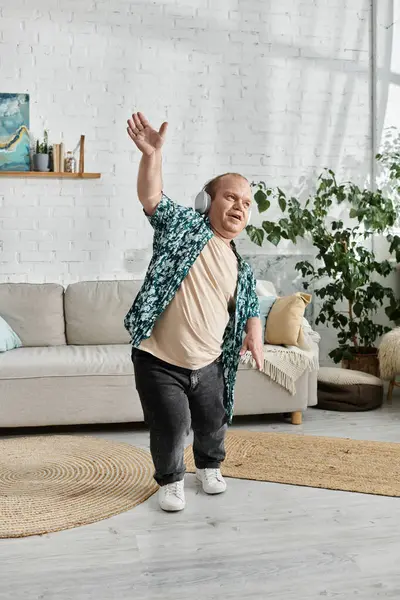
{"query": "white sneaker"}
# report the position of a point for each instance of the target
(212, 480)
(171, 497)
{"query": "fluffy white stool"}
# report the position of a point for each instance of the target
(389, 359)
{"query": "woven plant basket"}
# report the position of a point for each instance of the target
(366, 361)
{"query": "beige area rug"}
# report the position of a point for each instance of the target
(50, 483)
(321, 462)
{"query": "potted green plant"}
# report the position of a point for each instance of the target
(41, 158)
(346, 273)
(388, 171)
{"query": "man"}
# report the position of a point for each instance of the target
(188, 319)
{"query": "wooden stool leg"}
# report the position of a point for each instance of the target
(390, 391)
(297, 417)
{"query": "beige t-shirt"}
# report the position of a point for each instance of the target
(189, 333)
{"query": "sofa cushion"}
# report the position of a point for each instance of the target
(61, 361)
(265, 288)
(35, 312)
(285, 319)
(95, 311)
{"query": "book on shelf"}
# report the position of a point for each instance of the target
(62, 157)
(56, 158)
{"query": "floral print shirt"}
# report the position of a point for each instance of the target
(180, 234)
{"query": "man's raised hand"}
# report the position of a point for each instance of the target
(147, 139)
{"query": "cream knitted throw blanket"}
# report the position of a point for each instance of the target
(285, 364)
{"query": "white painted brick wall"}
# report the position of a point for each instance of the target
(275, 90)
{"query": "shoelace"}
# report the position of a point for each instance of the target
(212, 474)
(175, 489)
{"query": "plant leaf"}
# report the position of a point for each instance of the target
(262, 201)
(274, 237)
(282, 203)
(255, 234)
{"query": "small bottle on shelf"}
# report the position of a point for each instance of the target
(70, 163)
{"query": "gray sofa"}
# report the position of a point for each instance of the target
(75, 367)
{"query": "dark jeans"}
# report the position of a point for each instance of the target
(174, 398)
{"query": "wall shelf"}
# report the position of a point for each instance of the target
(49, 175)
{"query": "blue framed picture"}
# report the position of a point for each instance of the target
(14, 132)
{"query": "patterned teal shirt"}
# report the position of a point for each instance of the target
(180, 234)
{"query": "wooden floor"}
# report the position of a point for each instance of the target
(258, 540)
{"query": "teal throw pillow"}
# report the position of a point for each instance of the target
(8, 338)
(266, 303)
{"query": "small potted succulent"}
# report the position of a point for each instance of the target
(41, 158)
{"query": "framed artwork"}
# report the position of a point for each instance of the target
(14, 132)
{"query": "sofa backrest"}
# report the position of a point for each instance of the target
(88, 313)
(265, 288)
(35, 312)
(95, 311)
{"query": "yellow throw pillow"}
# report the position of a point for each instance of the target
(284, 322)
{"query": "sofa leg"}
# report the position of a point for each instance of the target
(390, 391)
(297, 417)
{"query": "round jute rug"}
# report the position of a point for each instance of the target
(321, 462)
(50, 483)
